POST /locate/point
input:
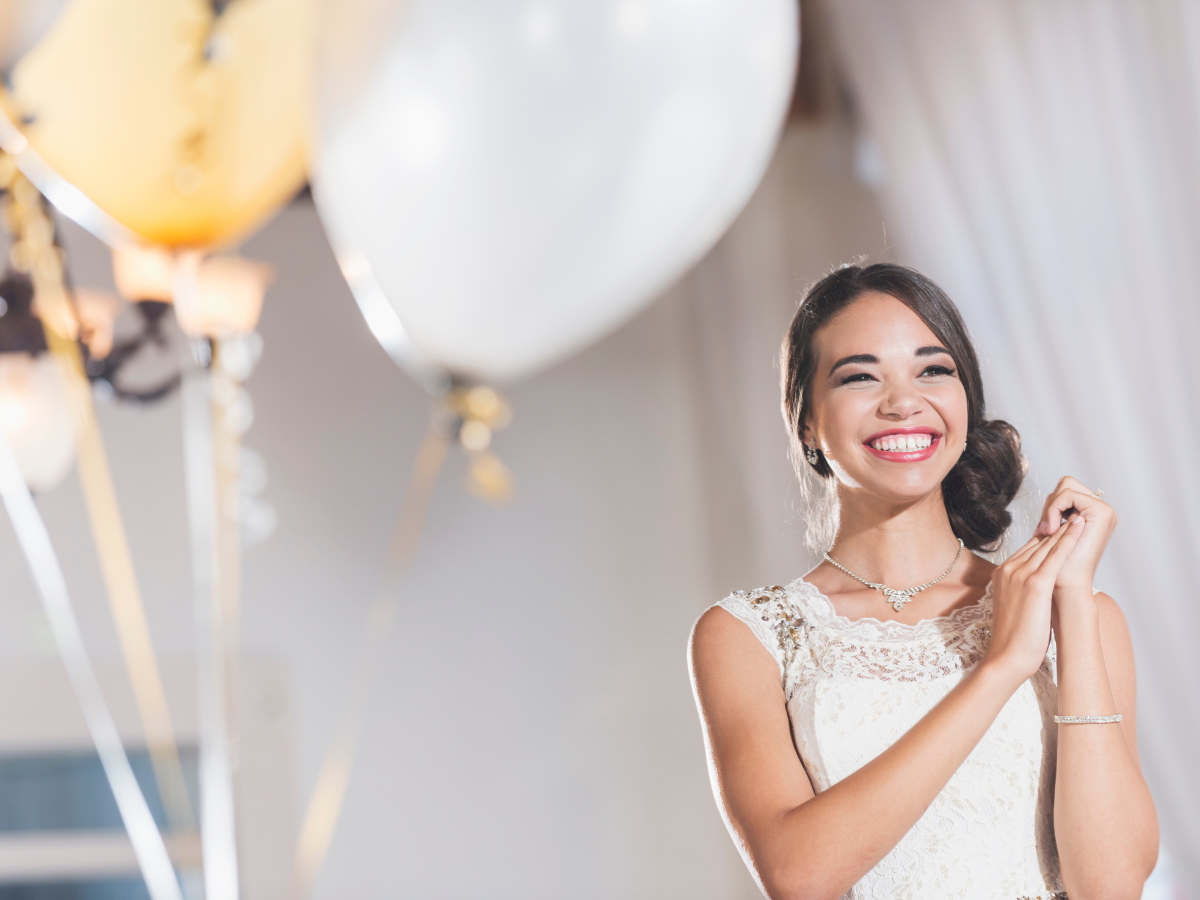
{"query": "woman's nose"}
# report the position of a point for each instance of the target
(900, 402)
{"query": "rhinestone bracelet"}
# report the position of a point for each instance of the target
(1086, 720)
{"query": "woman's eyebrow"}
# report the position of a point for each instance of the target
(932, 351)
(857, 358)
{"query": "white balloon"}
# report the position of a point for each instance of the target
(36, 417)
(516, 177)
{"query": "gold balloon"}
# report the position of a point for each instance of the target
(186, 126)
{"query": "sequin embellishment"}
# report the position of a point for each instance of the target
(771, 604)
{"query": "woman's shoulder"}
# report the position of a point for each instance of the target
(734, 625)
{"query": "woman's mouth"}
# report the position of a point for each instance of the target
(903, 445)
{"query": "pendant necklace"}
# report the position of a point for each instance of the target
(897, 598)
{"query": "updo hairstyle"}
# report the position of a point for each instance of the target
(986, 478)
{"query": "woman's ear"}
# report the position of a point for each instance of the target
(808, 435)
(810, 446)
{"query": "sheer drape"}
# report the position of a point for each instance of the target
(1043, 163)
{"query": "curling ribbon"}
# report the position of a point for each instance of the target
(147, 841)
(111, 545)
(218, 831)
(226, 447)
(325, 803)
(65, 197)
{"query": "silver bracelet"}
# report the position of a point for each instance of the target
(1086, 720)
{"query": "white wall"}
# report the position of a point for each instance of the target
(534, 734)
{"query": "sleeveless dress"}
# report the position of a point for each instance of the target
(854, 687)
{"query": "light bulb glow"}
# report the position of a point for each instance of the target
(227, 290)
(229, 297)
(14, 415)
(144, 273)
(36, 415)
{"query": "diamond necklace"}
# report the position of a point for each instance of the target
(894, 597)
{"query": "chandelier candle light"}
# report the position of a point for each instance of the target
(895, 597)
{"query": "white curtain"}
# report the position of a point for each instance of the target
(1042, 161)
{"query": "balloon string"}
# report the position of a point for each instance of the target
(25, 207)
(126, 602)
(226, 445)
(214, 565)
(147, 840)
(217, 812)
(325, 802)
(66, 198)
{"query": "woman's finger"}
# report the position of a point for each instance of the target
(1066, 483)
(1060, 501)
(1071, 532)
(1074, 484)
(1047, 545)
(1045, 517)
(1024, 551)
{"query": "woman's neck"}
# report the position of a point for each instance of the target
(897, 545)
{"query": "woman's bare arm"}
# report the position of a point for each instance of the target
(806, 846)
(803, 845)
(1104, 819)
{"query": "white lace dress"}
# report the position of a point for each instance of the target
(854, 687)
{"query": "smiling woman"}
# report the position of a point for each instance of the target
(983, 480)
(879, 730)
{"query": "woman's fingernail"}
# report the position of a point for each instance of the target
(1078, 520)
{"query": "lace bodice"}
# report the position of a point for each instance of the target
(854, 687)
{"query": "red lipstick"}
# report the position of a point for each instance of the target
(904, 455)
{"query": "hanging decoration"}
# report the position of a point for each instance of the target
(217, 302)
(181, 122)
(178, 124)
(36, 284)
(231, 291)
(37, 262)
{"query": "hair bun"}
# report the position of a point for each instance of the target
(982, 484)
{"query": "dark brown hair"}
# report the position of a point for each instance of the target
(986, 478)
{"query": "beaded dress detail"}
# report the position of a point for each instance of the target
(853, 688)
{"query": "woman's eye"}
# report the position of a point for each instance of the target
(858, 377)
(938, 370)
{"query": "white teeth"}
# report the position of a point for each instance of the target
(903, 443)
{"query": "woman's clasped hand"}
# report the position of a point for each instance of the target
(1071, 497)
(1056, 565)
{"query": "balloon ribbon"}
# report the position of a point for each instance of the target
(147, 841)
(214, 568)
(34, 244)
(325, 802)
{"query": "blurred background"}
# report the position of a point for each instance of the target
(386, 387)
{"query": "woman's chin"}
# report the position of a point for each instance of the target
(898, 487)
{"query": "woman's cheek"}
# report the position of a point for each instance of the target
(951, 406)
(848, 421)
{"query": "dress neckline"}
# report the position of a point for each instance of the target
(871, 628)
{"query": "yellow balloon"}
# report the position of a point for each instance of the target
(187, 127)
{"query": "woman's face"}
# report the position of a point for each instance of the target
(887, 406)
